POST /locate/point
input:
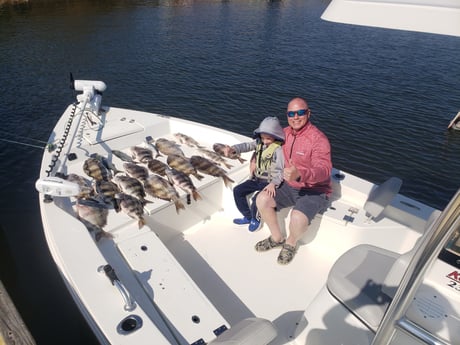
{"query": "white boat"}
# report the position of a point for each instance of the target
(455, 123)
(375, 268)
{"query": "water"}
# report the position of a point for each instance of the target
(383, 97)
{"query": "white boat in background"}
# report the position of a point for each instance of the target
(455, 123)
(375, 268)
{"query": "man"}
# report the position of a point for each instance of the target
(306, 186)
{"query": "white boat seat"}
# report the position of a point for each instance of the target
(381, 196)
(356, 281)
(365, 278)
(250, 331)
(394, 276)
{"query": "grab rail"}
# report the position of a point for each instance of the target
(130, 304)
(437, 237)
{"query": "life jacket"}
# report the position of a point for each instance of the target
(264, 159)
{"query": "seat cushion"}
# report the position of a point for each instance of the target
(356, 280)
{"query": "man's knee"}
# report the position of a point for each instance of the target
(263, 200)
(299, 219)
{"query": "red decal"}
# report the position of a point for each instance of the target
(455, 275)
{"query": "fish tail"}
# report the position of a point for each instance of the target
(179, 205)
(242, 160)
(141, 222)
(198, 176)
(196, 195)
(227, 181)
(228, 166)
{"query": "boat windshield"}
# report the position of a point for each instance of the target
(451, 252)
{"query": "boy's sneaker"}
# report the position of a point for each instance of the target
(241, 221)
(254, 225)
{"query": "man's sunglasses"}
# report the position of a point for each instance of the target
(300, 112)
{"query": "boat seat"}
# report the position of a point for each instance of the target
(250, 331)
(365, 278)
(381, 196)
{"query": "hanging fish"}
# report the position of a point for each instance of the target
(183, 181)
(187, 140)
(168, 147)
(95, 169)
(220, 149)
(206, 166)
(132, 207)
(215, 157)
(183, 164)
(93, 214)
(160, 188)
(136, 171)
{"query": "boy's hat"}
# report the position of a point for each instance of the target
(270, 126)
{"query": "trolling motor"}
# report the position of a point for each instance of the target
(91, 97)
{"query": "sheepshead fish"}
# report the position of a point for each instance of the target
(108, 164)
(183, 181)
(151, 143)
(156, 166)
(141, 154)
(183, 164)
(187, 140)
(132, 207)
(95, 169)
(131, 186)
(161, 188)
(93, 214)
(210, 168)
(218, 159)
(219, 148)
(168, 147)
(106, 191)
(86, 191)
(136, 171)
(123, 156)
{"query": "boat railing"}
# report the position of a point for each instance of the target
(436, 238)
(130, 304)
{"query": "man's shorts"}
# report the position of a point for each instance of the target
(308, 202)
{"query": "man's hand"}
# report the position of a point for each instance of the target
(290, 172)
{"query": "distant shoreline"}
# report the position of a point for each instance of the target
(12, 2)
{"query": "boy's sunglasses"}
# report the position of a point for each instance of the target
(300, 112)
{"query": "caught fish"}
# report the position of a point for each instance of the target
(208, 167)
(220, 149)
(93, 214)
(187, 140)
(123, 156)
(106, 191)
(151, 143)
(183, 164)
(215, 157)
(95, 169)
(141, 154)
(156, 166)
(161, 188)
(183, 181)
(132, 207)
(168, 147)
(109, 165)
(131, 186)
(136, 171)
(86, 191)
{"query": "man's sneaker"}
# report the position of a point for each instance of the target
(267, 244)
(286, 254)
(242, 221)
(254, 225)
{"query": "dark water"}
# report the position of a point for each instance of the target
(383, 97)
